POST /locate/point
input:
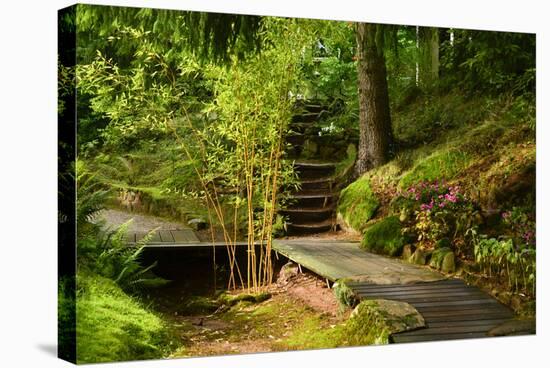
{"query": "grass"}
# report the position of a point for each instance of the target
(358, 203)
(445, 164)
(112, 326)
(384, 237)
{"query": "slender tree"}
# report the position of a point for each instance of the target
(428, 55)
(375, 132)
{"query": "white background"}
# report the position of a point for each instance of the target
(28, 144)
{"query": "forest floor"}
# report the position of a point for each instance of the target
(299, 305)
(277, 324)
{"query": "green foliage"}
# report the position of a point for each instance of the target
(344, 294)
(358, 203)
(384, 237)
(506, 261)
(90, 197)
(66, 318)
(112, 326)
(490, 61)
(445, 164)
(121, 263)
(442, 212)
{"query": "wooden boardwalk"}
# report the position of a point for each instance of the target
(451, 308)
(336, 260)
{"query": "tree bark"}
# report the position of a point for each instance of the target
(428, 48)
(375, 132)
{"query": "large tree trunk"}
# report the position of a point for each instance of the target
(375, 133)
(428, 49)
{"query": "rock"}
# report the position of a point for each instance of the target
(289, 271)
(515, 302)
(448, 265)
(344, 294)
(505, 297)
(197, 224)
(443, 259)
(327, 152)
(419, 257)
(394, 316)
(515, 327)
(310, 148)
(408, 251)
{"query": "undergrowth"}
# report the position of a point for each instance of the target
(111, 326)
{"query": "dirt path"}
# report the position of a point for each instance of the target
(114, 218)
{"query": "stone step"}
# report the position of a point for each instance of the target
(313, 201)
(317, 183)
(305, 117)
(314, 169)
(308, 214)
(310, 227)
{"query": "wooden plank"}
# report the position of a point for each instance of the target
(447, 312)
(130, 237)
(184, 236)
(458, 308)
(166, 236)
(424, 299)
(140, 235)
(480, 322)
(403, 338)
(465, 318)
(458, 303)
(424, 294)
(416, 287)
(451, 330)
(155, 238)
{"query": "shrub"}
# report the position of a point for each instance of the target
(441, 211)
(358, 203)
(384, 237)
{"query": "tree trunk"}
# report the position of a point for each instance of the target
(428, 48)
(375, 133)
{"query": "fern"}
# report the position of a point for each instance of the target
(121, 263)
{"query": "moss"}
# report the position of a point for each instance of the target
(384, 237)
(231, 300)
(112, 326)
(199, 305)
(345, 166)
(358, 203)
(445, 164)
(344, 294)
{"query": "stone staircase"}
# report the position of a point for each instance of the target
(313, 206)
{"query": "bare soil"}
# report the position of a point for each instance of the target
(260, 327)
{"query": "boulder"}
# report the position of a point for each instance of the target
(289, 271)
(373, 321)
(448, 265)
(443, 259)
(419, 257)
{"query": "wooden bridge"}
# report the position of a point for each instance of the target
(451, 308)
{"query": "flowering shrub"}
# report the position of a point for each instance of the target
(440, 210)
